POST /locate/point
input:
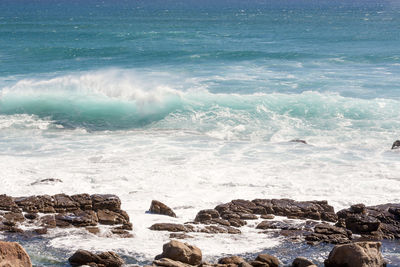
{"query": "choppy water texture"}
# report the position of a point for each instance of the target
(193, 103)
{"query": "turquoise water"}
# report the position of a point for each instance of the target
(200, 98)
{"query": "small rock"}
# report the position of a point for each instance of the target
(158, 207)
(180, 236)
(231, 260)
(170, 227)
(268, 217)
(359, 254)
(47, 181)
(170, 263)
(298, 141)
(396, 144)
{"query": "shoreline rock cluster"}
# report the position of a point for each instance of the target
(38, 213)
(317, 217)
(354, 231)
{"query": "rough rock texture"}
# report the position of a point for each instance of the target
(157, 207)
(106, 259)
(13, 255)
(359, 254)
(316, 210)
(170, 227)
(231, 260)
(302, 262)
(329, 234)
(182, 252)
(81, 210)
(374, 222)
(170, 263)
(270, 260)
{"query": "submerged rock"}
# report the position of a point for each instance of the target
(182, 252)
(158, 207)
(359, 254)
(14, 255)
(298, 141)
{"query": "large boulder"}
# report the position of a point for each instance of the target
(13, 254)
(158, 207)
(106, 259)
(359, 254)
(182, 252)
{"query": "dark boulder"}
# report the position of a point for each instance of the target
(106, 259)
(359, 254)
(158, 207)
(396, 144)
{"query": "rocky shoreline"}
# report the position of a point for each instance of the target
(310, 222)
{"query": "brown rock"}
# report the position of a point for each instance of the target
(14, 216)
(236, 260)
(329, 234)
(157, 207)
(35, 204)
(7, 203)
(106, 259)
(206, 215)
(13, 255)
(268, 217)
(110, 217)
(170, 263)
(84, 201)
(269, 259)
(359, 254)
(106, 202)
(170, 227)
(180, 236)
(40, 231)
(182, 252)
(63, 203)
(302, 262)
(93, 230)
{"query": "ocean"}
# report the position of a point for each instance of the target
(194, 103)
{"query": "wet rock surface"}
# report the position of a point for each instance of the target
(105, 259)
(374, 222)
(358, 254)
(158, 207)
(182, 252)
(13, 255)
(61, 210)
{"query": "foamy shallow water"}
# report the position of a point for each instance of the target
(189, 171)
